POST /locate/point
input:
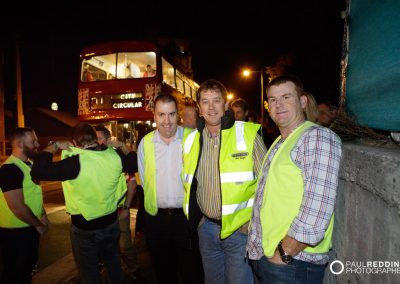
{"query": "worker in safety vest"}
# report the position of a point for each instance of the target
(93, 186)
(221, 158)
(173, 248)
(22, 216)
(292, 221)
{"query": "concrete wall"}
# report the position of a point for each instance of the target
(367, 224)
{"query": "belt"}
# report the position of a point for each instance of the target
(215, 221)
(170, 211)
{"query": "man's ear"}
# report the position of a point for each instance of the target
(303, 102)
(19, 143)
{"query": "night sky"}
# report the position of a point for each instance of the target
(303, 37)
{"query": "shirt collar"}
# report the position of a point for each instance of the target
(208, 133)
(178, 135)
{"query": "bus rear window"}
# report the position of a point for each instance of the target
(122, 65)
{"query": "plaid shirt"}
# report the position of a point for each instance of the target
(317, 153)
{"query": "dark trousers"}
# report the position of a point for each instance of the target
(174, 251)
(139, 227)
(89, 246)
(19, 253)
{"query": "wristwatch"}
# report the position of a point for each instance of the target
(286, 258)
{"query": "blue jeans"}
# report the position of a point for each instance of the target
(223, 260)
(89, 245)
(297, 272)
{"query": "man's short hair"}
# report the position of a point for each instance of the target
(165, 98)
(102, 128)
(84, 134)
(288, 78)
(239, 102)
(19, 133)
(211, 84)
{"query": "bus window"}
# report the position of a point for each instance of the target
(194, 87)
(117, 65)
(181, 81)
(87, 73)
(188, 90)
(133, 64)
(168, 73)
(179, 85)
(101, 67)
(92, 73)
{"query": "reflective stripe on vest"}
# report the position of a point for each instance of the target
(232, 208)
(237, 177)
(188, 178)
(189, 141)
(240, 143)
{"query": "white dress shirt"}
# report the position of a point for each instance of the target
(169, 185)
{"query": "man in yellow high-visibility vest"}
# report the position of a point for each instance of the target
(93, 186)
(173, 249)
(292, 221)
(22, 217)
(221, 158)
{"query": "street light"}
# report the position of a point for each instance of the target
(247, 73)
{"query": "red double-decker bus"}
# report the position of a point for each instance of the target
(120, 80)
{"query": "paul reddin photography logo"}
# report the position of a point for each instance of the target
(368, 267)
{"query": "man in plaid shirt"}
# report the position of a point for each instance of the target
(292, 220)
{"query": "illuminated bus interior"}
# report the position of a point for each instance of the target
(121, 65)
(127, 65)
